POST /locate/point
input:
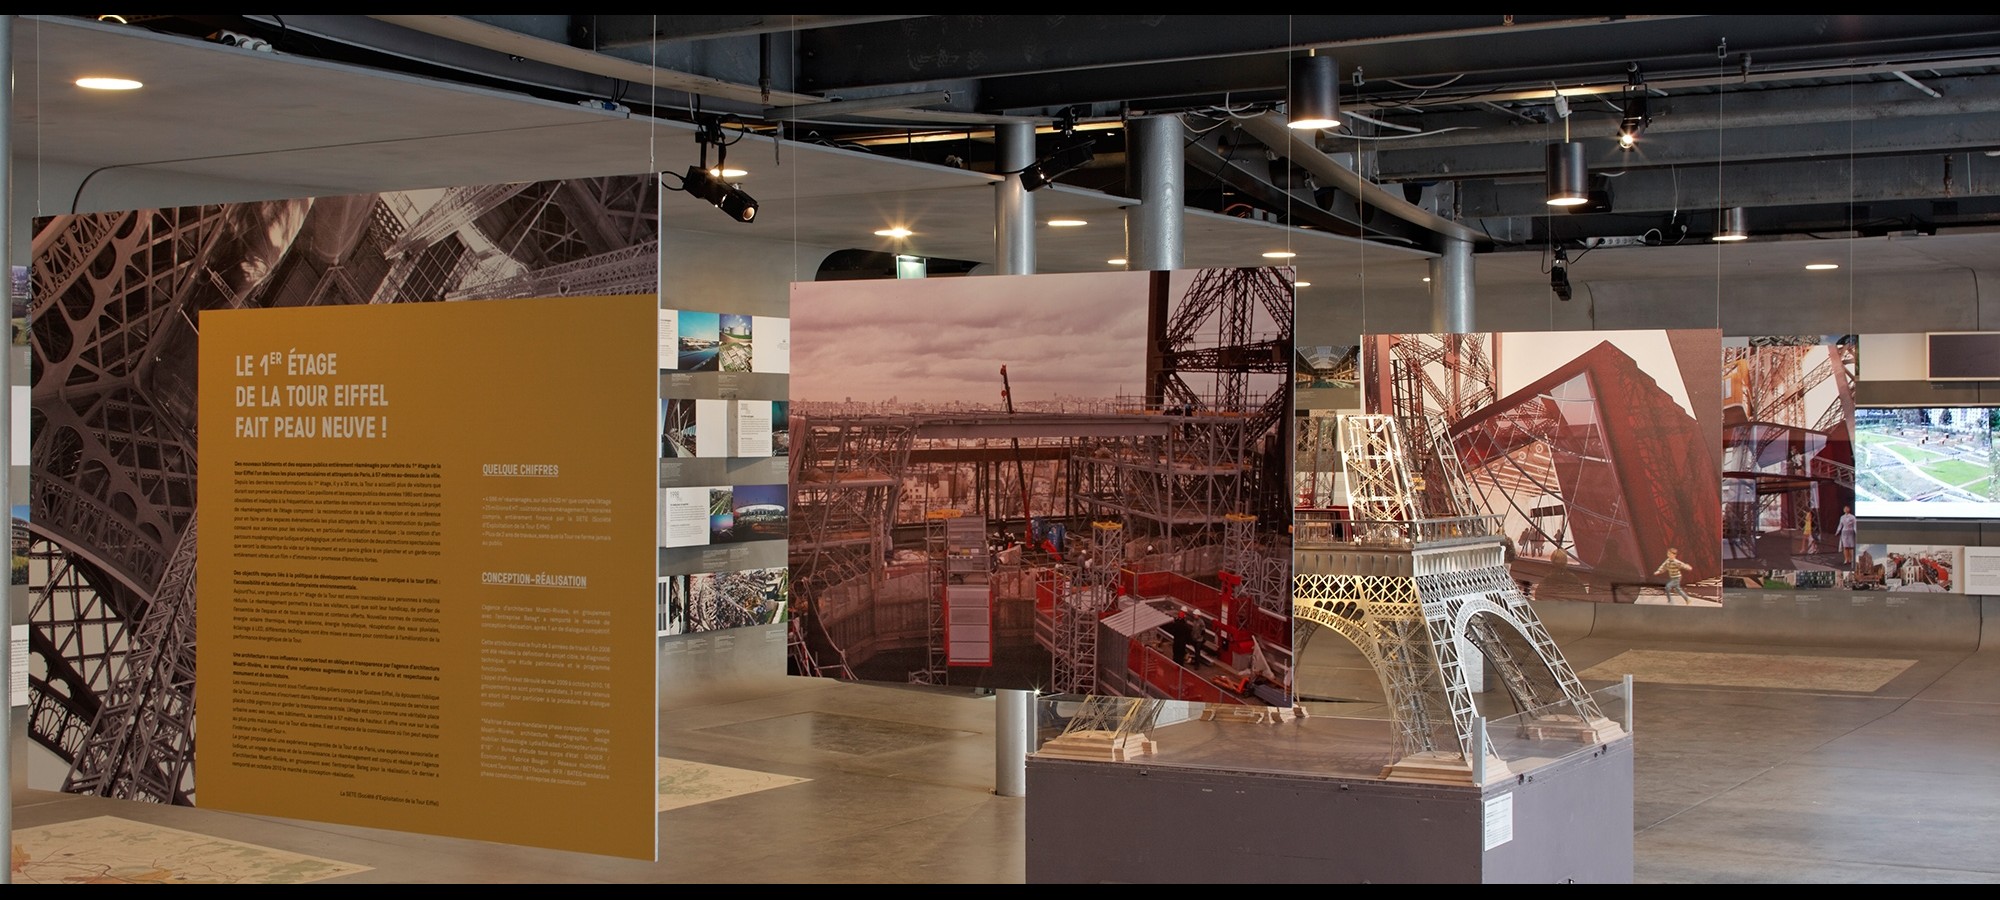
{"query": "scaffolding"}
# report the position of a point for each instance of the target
(845, 478)
(936, 577)
(1082, 594)
(1173, 489)
(1784, 462)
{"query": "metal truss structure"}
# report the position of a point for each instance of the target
(1106, 728)
(1213, 331)
(846, 476)
(1082, 594)
(1265, 576)
(114, 315)
(1174, 488)
(1449, 376)
(1782, 461)
(1229, 324)
(1405, 586)
(1596, 460)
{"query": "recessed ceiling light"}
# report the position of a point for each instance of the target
(1821, 267)
(896, 232)
(104, 83)
(728, 173)
(1279, 254)
(1427, 278)
(1300, 284)
(1115, 262)
(1067, 223)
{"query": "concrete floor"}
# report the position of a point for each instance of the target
(1900, 784)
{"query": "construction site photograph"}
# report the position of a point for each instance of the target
(1927, 461)
(1601, 451)
(1066, 483)
(1788, 458)
(112, 485)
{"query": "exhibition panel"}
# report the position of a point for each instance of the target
(1070, 482)
(423, 581)
(120, 396)
(1788, 460)
(724, 435)
(1601, 451)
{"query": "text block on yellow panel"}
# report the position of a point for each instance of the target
(426, 568)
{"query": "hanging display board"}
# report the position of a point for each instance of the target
(426, 566)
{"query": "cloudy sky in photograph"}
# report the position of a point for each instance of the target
(937, 340)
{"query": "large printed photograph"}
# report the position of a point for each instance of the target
(1070, 483)
(1788, 478)
(112, 524)
(1600, 451)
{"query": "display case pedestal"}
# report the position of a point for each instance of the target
(1196, 813)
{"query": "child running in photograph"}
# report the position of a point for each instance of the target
(1673, 568)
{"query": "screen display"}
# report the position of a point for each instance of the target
(1963, 355)
(1925, 462)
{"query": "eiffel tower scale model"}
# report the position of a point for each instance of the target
(1416, 572)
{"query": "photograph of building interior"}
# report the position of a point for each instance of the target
(1807, 197)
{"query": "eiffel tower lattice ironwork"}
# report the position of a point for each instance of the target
(1418, 569)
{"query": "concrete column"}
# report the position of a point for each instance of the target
(1451, 288)
(1014, 206)
(7, 418)
(1012, 740)
(1159, 176)
(1451, 313)
(1014, 239)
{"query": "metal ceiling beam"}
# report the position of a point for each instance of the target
(1597, 115)
(1298, 147)
(1733, 146)
(617, 32)
(955, 47)
(1343, 216)
(492, 37)
(1664, 47)
(1757, 185)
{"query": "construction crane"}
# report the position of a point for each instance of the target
(1021, 474)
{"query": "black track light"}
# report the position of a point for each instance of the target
(1055, 165)
(725, 196)
(1559, 275)
(1634, 114)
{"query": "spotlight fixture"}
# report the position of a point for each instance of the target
(1315, 97)
(1569, 178)
(1065, 160)
(1634, 116)
(1735, 225)
(1070, 155)
(706, 182)
(725, 196)
(1559, 274)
